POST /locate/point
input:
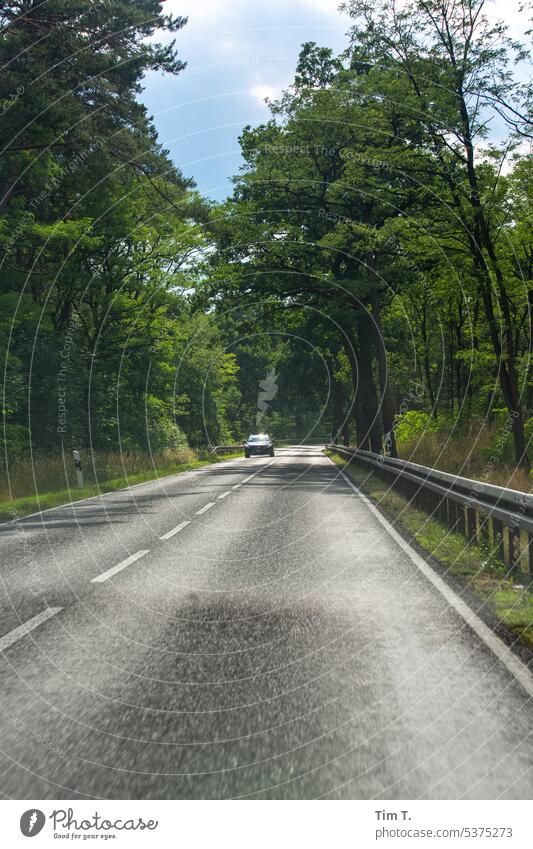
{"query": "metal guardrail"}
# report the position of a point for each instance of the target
(501, 518)
(222, 449)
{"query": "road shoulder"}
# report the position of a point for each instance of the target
(464, 584)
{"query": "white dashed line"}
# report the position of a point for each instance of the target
(30, 625)
(249, 478)
(207, 507)
(223, 495)
(119, 567)
(175, 530)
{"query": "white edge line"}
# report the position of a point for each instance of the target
(26, 627)
(494, 643)
(175, 530)
(203, 509)
(119, 567)
(223, 495)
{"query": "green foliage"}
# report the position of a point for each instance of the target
(368, 258)
(376, 196)
(100, 242)
(413, 425)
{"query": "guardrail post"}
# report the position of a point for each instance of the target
(470, 523)
(506, 547)
(527, 557)
(463, 520)
(443, 510)
(450, 513)
(477, 518)
(515, 549)
(484, 528)
(498, 546)
(453, 514)
(524, 551)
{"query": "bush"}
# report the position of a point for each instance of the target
(413, 426)
(14, 442)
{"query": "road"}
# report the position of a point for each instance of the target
(250, 629)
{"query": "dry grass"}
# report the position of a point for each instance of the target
(28, 477)
(47, 482)
(477, 452)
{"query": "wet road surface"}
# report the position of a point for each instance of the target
(246, 630)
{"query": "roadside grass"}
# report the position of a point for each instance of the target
(168, 464)
(476, 566)
(466, 452)
(30, 475)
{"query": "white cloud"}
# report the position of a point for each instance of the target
(261, 92)
(327, 7)
(217, 9)
(196, 9)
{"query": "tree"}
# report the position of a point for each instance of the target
(455, 66)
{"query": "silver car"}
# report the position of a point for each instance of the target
(259, 443)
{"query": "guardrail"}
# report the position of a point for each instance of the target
(499, 517)
(223, 449)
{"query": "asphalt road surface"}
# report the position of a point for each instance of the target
(246, 630)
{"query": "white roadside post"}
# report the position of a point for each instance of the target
(77, 466)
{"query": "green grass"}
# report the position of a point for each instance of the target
(475, 565)
(18, 507)
(514, 606)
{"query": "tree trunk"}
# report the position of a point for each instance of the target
(529, 400)
(503, 344)
(387, 403)
(340, 419)
(359, 355)
(507, 378)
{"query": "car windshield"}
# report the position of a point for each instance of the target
(261, 437)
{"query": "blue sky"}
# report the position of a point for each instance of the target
(239, 52)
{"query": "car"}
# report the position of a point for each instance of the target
(258, 443)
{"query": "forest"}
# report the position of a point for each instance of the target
(372, 266)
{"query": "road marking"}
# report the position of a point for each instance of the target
(485, 634)
(207, 507)
(104, 495)
(223, 495)
(175, 530)
(261, 469)
(119, 567)
(30, 625)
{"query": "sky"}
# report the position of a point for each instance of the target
(238, 52)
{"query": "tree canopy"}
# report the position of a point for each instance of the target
(375, 256)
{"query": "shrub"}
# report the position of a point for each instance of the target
(413, 426)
